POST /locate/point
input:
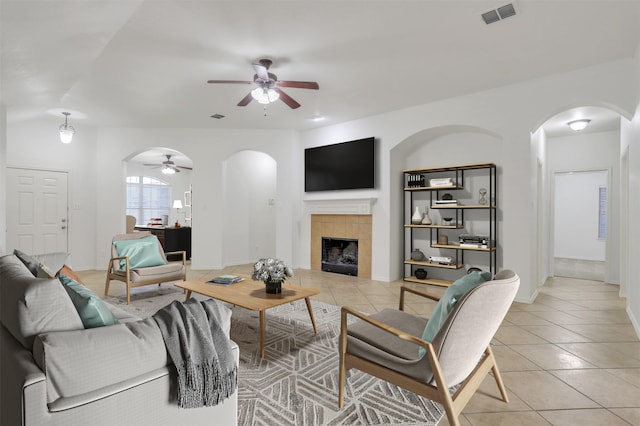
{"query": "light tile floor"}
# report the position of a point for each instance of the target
(570, 358)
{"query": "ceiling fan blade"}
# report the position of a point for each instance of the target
(230, 81)
(152, 164)
(245, 101)
(298, 84)
(185, 167)
(261, 71)
(287, 99)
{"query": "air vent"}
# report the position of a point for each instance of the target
(218, 116)
(506, 11)
(495, 15)
(490, 17)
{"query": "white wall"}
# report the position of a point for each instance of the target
(597, 151)
(209, 149)
(3, 180)
(250, 182)
(540, 228)
(37, 145)
(630, 140)
(576, 219)
(508, 114)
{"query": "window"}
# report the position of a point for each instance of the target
(602, 212)
(147, 197)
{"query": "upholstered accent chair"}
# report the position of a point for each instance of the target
(135, 272)
(388, 345)
(131, 224)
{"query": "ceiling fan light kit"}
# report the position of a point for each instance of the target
(269, 87)
(168, 167)
(265, 96)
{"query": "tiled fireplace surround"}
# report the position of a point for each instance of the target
(341, 219)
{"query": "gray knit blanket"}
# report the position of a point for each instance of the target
(201, 352)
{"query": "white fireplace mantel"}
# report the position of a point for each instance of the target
(340, 206)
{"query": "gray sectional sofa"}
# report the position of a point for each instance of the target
(53, 371)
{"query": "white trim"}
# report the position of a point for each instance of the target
(339, 206)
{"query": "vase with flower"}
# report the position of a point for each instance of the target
(272, 272)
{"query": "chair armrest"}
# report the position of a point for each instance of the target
(422, 293)
(182, 252)
(113, 259)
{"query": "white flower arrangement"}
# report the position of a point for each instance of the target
(271, 270)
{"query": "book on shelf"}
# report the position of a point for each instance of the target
(225, 279)
(441, 182)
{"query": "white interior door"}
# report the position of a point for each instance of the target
(36, 211)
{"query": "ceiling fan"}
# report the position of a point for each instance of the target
(168, 166)
(268, 89)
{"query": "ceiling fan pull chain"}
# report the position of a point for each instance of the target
(265, 110)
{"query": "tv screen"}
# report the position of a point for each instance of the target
(346, 165)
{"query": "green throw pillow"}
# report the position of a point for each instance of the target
(448, 301)
(93, 311)
(142, 252)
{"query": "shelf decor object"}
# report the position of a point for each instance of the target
(450, 195)
(417, 217)
(426, 220)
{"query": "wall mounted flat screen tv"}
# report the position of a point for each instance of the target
(346, 165)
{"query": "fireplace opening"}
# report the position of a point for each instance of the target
(340, 255)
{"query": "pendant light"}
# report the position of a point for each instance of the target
(66, 131)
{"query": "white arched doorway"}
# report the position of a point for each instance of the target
(571, 157)
(249, 231)
(151, 163)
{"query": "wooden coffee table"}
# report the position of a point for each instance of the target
(251, 295)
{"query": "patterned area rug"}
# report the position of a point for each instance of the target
(296, 383)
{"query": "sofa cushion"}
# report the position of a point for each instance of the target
(92, 310)
(28, 261)
(43, 265)
(142, 252)
(30, 306)
(175, 267)
(81, 361)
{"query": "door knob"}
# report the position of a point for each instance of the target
(63, 227)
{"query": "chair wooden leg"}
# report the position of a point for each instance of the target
(498, 377)
(342, 344)
(106, 285)
(128, 293)
(341, 382)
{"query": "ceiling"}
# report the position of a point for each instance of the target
(146, 63)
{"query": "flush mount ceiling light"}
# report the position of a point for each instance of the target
(265, 95)
(66, 131)
(577, 125)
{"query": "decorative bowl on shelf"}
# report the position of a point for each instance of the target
(447, 220)
(421, 274)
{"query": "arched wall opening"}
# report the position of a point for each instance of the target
(249, 205)
(148, 162)
(566, 157)
(436, 147)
